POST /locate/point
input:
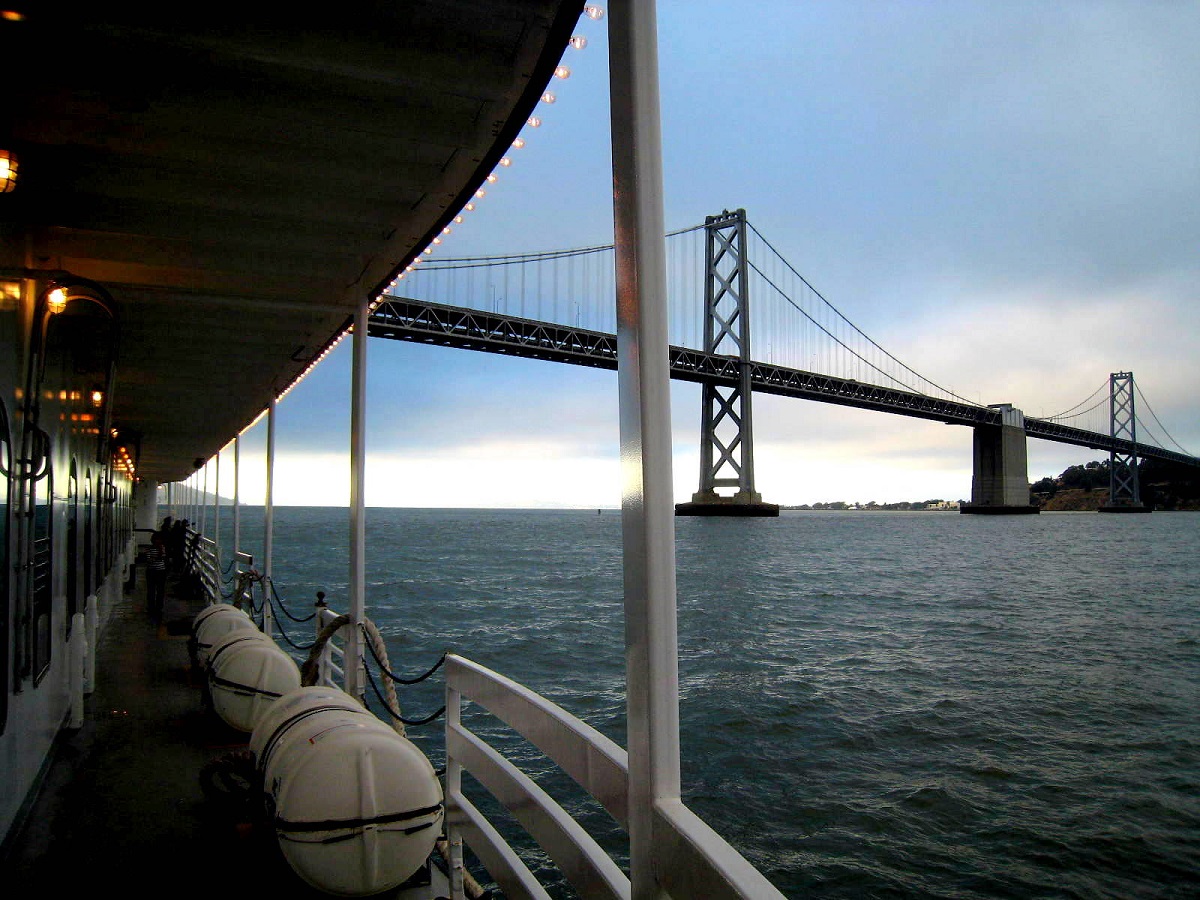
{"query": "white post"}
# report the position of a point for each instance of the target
(203, 528)
(269, 519)
(643, 378)
(453, 789)
(358, 517)
(237, 509)
(217, 523)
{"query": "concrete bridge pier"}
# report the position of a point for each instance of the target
(1000, 483)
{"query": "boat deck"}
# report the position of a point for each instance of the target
(122, 805)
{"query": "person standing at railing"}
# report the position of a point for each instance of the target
(176, 543)
(156, 577)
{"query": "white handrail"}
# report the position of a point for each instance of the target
(502, 864)
(596, 763)
(574, 851)
(330, 666)
(691, 860)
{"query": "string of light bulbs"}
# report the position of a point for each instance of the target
(561, 72)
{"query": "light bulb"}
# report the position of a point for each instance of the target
(446, 230)
(533, 122)
(548, 97)
(578, 42)
(481, 193)
(458, 219)
(491, 178)
(594, 13)
(470, 207)
(506, 162)
(519, 143)
(562, 72)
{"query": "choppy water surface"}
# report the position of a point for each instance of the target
(885, 705)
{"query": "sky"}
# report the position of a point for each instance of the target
(1006, 196)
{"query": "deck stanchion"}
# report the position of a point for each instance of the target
(203, 511)
(352, 662)
(237, 509)
(269, 521)
(643, 378)
(217, 524)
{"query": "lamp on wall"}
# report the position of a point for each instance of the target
(56, 300)
(8, 171)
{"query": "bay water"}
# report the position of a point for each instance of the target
(873, 704)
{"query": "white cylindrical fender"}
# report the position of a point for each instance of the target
(291, 708)
(357, 808)
(213, 623)
(247, 673)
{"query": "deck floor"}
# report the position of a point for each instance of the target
(122, 805)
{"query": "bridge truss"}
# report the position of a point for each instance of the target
(449, 326)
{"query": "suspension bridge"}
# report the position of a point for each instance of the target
(559, 306)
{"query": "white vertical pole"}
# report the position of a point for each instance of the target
(203, 527)
(269, 519)
(237, 509)
(643, 377)
(358, 465)
(217, 524)
(453, 789)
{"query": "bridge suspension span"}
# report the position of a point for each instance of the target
(743, 320)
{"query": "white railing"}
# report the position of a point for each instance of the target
(202, 556)
(691, 860)
(594, 761)
(331, 665)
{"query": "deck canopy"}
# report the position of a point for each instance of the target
(237, 183)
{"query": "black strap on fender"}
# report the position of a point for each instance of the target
(282, 824)
(247, 689)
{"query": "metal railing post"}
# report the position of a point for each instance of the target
(643, 377)
(269, 520)
(453, 789)
(358, 464)
(237, 510)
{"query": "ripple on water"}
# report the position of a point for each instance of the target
(873, 706)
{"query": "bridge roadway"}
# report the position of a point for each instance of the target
(470, 329)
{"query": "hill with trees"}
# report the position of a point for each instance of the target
(1163, 485)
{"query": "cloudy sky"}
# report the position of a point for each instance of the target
(1004, 195)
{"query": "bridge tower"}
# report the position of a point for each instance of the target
(1124, 492)
(1000, 481)
(726, 425)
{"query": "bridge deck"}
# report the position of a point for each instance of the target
(470, 329)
